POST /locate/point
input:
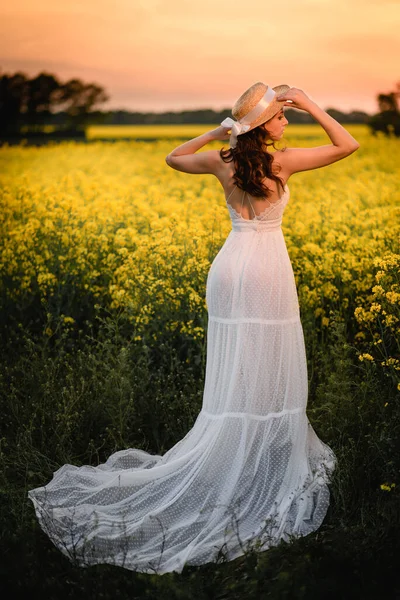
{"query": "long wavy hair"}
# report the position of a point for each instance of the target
(252, 162)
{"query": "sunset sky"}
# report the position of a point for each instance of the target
(186, 54)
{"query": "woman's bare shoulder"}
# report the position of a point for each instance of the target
(279, 155)
(279, 163)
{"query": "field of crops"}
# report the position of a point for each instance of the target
(300, 133)
(105, 252)
(116, 224)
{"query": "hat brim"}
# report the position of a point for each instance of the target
(274, 106)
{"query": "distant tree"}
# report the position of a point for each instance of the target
(12, 99)
(38, 97)
(389, 101)
(33, 101)
(78, 99)
(388, 119)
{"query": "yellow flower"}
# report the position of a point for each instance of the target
(365, 356)
(393, 297)
(375, 307)
(387, 487)
(378, 290)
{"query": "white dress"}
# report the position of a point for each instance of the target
(250, 472)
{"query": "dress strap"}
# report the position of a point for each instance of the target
(244, 192)
(241, 206)
(233, 189)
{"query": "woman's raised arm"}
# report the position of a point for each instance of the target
(183, 157)
(305, 159)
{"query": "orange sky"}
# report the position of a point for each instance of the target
(176, 54)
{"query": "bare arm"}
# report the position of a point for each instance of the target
(339, 135)
(183, 157)
(305, 159)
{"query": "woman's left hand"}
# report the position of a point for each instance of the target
(221, 133)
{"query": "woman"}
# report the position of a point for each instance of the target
(251, 471)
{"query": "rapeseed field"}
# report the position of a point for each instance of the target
(116, 226)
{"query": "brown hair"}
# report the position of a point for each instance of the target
(252, 162)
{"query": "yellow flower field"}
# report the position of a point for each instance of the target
(112, 224)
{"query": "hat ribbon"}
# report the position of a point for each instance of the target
(243, 125)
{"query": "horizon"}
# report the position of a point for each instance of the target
(209, 108)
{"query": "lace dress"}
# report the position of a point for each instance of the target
(250, 472)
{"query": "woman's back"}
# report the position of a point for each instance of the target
(245, 204)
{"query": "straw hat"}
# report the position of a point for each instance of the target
(255, 106)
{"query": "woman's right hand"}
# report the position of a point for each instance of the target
(299, 99)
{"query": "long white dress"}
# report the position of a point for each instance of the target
(250, 472)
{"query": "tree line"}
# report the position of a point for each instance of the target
(73, 104)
